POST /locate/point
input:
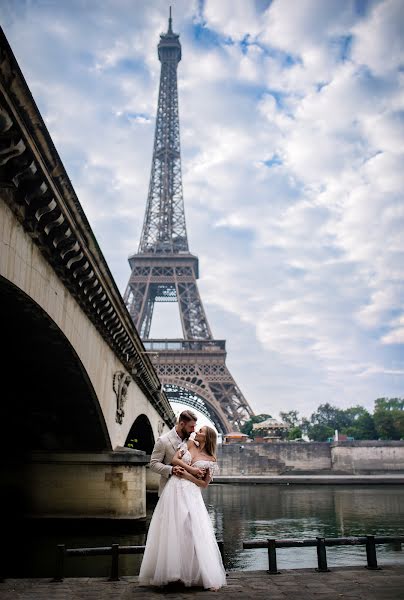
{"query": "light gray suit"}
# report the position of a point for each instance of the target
(162, 455)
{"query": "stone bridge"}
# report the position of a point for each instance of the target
(77, 383)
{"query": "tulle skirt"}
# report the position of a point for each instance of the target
(181, 543)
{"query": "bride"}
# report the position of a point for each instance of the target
(181, 544)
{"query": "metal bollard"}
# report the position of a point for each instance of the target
(60, 562)
(273, 567)
(321, 556)
(114, 563)
(371, 553)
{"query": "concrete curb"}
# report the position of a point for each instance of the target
(312, 479)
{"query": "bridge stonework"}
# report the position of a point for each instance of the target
(78, 383)
(23, 265)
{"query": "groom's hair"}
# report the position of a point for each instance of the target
(187, 415)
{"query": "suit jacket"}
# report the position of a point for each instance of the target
(162, 455)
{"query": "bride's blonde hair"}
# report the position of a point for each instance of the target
(210, 441)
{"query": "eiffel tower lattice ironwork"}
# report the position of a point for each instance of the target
(192, 369)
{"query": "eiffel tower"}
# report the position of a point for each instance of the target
(192, 369)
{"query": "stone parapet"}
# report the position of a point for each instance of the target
(107, 485)
(367, 456)
(274, 458)
(350, 458)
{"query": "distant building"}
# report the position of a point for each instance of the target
(270, 430)
(340, 437)
(234, 437)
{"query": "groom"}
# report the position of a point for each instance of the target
(167, 445)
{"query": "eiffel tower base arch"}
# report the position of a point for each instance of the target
(200, 379)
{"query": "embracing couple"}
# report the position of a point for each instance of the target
(181, 543)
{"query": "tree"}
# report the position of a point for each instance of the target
(389, 418)
(294, 433)
(291, 418)
(360, 425)
(320, 432)
(325, 421)
(355, 422)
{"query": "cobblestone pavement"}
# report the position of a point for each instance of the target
(300, 584)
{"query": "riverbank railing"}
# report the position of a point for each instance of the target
(114, 551)
(320, 543)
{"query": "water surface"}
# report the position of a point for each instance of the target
(287, 511)
(241, 512)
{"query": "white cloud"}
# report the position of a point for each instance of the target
(379, 42)
(292, 147)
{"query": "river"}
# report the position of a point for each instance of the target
(241, 512)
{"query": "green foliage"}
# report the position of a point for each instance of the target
(132, 443)
(389, 418)
(386, 422)
(320, 433)
(294, 433)
(354, 422)
(363, 427)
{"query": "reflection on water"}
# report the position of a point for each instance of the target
(286, 511)
(247, 512)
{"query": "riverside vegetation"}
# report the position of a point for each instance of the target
(385, 423)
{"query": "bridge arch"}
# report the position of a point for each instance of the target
(140, 436)
(49, 403)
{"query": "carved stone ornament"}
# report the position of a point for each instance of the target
(160, 427)
(120, 384)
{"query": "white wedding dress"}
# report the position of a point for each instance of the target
(181, 543)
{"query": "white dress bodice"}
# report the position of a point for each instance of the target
(210, 465)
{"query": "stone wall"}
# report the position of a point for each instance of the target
(367, 457)
(311, 457)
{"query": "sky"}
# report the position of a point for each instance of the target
(292, 141)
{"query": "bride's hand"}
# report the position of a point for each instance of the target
(198, 473)
(178, 471)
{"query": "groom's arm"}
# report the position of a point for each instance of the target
(156, 460)
(177, 460)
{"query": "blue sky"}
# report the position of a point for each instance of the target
(292, 137)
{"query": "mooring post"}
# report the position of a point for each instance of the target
(60, 562)
(321, 556)
(371, 553)
(273, 567)
(114, 563)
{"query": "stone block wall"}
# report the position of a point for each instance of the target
(368, 457)
(87, 486)
(274, 459)
(311, 457)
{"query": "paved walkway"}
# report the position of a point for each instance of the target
(356, 583)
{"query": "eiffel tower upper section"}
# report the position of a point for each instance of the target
(164, 228)
(193, 368)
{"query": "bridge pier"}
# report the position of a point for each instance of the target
(102, 485)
